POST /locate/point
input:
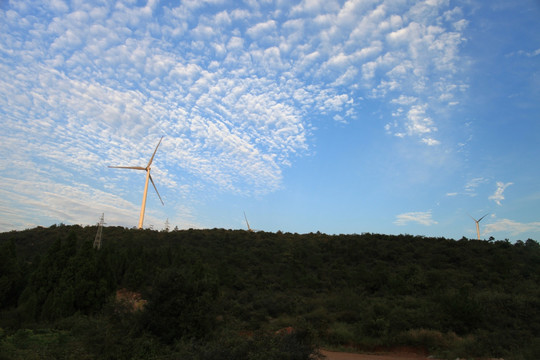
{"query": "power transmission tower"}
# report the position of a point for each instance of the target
(97, 240)
(167, 225)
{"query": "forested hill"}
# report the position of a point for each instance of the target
(369, 291)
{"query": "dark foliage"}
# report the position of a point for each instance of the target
(205, 288)
(68, 279)
(181, 304)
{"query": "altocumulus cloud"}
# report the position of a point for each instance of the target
(230, 84)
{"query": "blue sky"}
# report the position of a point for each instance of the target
(384, 116)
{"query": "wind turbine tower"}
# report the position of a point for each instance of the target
(97, 240)
(245, 217)
(148, 176)
(478, 225)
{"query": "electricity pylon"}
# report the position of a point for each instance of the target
(97, 240)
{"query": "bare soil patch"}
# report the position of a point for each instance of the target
(395, 355)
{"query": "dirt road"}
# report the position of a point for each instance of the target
(332, 355)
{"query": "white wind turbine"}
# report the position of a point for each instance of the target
(478, 224)
(245, 217)
(148, 176)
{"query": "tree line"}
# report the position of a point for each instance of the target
(222, 294)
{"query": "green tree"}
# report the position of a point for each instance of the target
(11, 276)
(181, 304)
(66, 281)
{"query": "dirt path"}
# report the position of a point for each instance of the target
(332, 355)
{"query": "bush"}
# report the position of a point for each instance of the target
(181, 304)
(297, 345)
(340, 333)
(41, 344)
(433, 340)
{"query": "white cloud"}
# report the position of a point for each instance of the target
(228, 84)
(406, 35)
(422, 218)
(461, 24)
(430, 141)
(52, 202)
(314, 6)
(261, 29)
(418, 123)
(513, 227)
(404, 100)
(498, 194)
(528, 53)
(58, 5)
(472, 185)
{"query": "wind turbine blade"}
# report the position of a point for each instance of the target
(482, 217)
(128, 167)
(472, 217)
(155, 188)
(152, 158)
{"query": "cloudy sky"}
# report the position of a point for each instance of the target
(349, 116)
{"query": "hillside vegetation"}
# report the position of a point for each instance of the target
(224, 294)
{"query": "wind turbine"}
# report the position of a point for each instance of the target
(478, 224)
(148, 176)
(245, 217)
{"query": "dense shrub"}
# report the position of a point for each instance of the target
(181, 304)
(204, 287)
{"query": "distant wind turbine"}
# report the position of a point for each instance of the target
(148, 176)
(478, 224)
(245, 217)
